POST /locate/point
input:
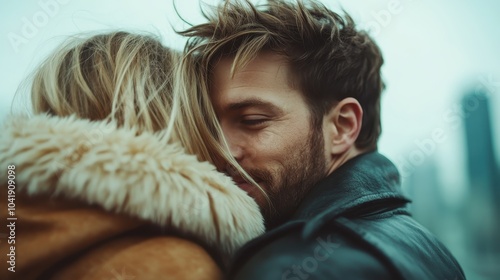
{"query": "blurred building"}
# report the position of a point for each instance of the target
(482, 166)
(482, 209)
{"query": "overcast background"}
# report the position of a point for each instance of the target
(435, 52)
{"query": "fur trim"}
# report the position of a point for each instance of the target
(138, 175)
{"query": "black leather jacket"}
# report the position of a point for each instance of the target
(352, 225)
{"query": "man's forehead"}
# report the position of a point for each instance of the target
(266, 61)
(266, 71)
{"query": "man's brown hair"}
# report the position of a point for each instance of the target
(330, 60)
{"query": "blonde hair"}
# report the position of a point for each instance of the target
(138, 83)
(118, 76)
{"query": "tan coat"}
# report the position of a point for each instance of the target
(96, 202)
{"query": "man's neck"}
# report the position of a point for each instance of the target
(340, 159)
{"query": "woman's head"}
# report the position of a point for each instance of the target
(116, 76)
(130, 79)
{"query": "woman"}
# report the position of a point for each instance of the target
(105, 186)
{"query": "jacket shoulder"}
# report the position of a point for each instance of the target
(329, 254)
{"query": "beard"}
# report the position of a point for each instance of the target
(287, 186)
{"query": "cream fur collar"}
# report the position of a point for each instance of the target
(140, 176)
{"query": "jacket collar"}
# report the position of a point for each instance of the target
(368, 181)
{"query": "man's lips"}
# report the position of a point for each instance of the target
(243, 184)
(239, 180)
(247, 187)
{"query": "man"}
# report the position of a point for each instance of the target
(297, 91)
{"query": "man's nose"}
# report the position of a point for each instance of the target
(235, 147)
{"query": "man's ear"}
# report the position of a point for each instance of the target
(342, 125)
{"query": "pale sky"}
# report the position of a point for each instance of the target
(433, 51)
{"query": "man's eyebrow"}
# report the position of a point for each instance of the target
(253, 102)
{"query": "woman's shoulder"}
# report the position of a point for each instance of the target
(66, 239)
(144, 257)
